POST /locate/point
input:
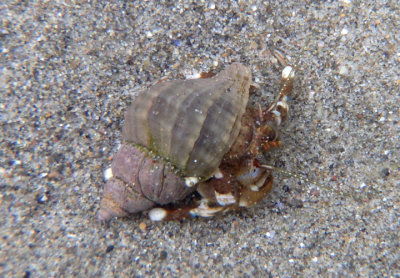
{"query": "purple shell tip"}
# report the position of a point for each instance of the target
(103, 215)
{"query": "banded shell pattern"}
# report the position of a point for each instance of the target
(191, 123)
(175, 129)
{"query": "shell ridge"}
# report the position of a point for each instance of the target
(188, 127)
(135, 127)
(171, 115)
(215, 137)
(164, 111)
(152, 112)
(140, 170)
(224, 123)
(185, 133)
(161, 187)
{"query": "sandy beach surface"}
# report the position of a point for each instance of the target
(69, 70)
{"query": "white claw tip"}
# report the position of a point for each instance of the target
(278, 117)
(287, 72)
(225, 199)
(191, 181)
(157, 214)
(193, 76)
(108, 174)
(254, 187)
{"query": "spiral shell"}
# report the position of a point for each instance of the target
(139, 183)
(173, 130)
(191, 123)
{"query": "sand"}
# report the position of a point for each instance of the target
(68, 71)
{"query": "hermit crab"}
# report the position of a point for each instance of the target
(195, 135)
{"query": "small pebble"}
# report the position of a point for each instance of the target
(163, 255)
(344, 32)
(41, 199)
(343, 70)
(142, 226)
(149, 35)
(109, 248)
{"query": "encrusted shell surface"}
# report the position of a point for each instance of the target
(139, 183)
(190, 123)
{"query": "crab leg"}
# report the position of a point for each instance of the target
(227, 193)
(247, 184)
(277, 112)
(279, 108)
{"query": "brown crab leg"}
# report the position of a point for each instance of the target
(279, 108)
(277, 112)
(219, 196)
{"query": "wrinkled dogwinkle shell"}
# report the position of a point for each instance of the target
(173, 130)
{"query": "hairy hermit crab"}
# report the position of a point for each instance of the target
(195, 134)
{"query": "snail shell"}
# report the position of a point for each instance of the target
(139, 183)
(191, 123)
(172, 130)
